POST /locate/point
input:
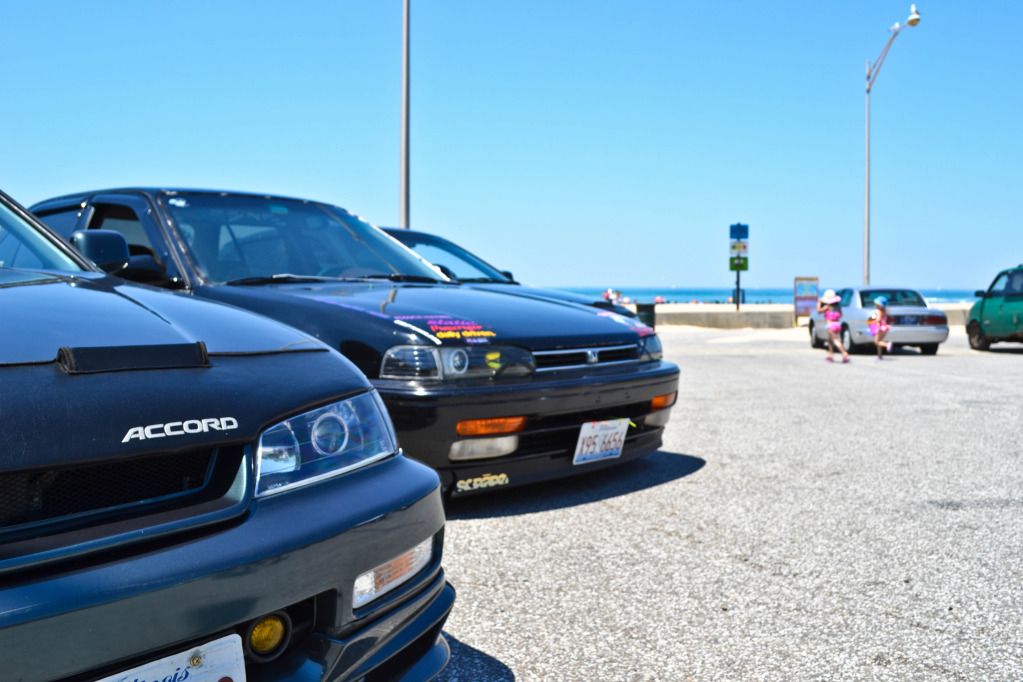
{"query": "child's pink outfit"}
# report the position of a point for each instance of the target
(880, 325)
(833, 317)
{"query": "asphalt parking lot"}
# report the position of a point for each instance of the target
(802, 521)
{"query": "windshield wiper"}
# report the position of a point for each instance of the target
(484, 280)
(401, 277)
(284, 277)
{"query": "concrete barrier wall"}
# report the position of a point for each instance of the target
(759, 315)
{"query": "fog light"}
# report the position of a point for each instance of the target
(385, 577)
(495, 426)
(659, 418)
(662, 401)
(483, 448)
(268, 636)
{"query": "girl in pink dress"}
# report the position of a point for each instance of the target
(879, 326)
(830, 308)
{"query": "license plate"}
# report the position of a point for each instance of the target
(218, 661)
(600, 440)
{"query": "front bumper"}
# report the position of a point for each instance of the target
(556, 406)
(299, 550)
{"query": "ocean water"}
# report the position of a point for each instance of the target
(753, 295)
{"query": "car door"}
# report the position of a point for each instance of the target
(1008, 320)
(131, 215)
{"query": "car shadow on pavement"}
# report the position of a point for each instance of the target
(470, 665)
(654, 469)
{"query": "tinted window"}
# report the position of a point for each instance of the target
(1015, 284)
(463, 264)
(61, 222)
(896, 297)
(847, 295)
(22, 246)
(124, 220)
(237, 237)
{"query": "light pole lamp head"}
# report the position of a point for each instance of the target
(914, 16)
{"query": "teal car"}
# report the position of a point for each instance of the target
(998, 315)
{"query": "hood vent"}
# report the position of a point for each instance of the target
(93, 360)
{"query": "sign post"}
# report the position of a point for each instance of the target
(805, 291)
(738, 255)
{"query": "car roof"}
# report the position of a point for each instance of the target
(153, 191)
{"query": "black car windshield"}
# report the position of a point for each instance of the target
(23, 246)
(465, 266)
(255, 240)
(896, 297)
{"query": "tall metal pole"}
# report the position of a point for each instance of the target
(405, 119)
(866, 198)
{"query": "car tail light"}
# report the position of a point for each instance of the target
(495, 426)
(935, 320)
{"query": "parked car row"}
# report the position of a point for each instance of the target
(212, 481)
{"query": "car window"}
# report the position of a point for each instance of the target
(1015, 285)
(896, 297)
(465, 265)
(23, 246)
(123, 219)
(234, 237)
(847, 295)
(1000, 285)
(438, 255)
(62, 222)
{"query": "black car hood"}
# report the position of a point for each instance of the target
(256, 371)
(448, 314)
(43, 312)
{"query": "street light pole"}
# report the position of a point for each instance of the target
(404, 203)
(872, 71)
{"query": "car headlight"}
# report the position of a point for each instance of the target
(470, 362)
(322, 443)
(650, 348)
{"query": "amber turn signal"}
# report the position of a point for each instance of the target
(495, 426)
(662, 401)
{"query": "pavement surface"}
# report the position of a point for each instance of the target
(803, 521)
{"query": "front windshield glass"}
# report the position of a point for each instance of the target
(896, 297)
(465, 266)
(234, 238)
(22, 246)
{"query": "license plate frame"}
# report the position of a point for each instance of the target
(600, 440)
(219, 659)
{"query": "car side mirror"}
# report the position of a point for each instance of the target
(448, 272)
(980, 293)
(105, 248)
(145, 269)
(507, 273)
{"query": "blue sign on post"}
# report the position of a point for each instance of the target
(739, 231)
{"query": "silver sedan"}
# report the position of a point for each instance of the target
(912, 322)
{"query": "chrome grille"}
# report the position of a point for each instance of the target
(578, 358)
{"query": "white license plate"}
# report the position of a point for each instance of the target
(600, 440)
(221, 660)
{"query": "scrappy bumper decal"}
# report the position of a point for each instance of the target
(447, 328)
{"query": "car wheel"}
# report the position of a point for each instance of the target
(847, 341)
(814, 341)
(978, 341)
(929, 349)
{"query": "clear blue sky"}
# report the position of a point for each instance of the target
(577, 142)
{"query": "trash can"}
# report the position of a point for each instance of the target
(646, 312)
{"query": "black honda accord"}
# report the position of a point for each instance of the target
(191, 491)
(491, 390)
